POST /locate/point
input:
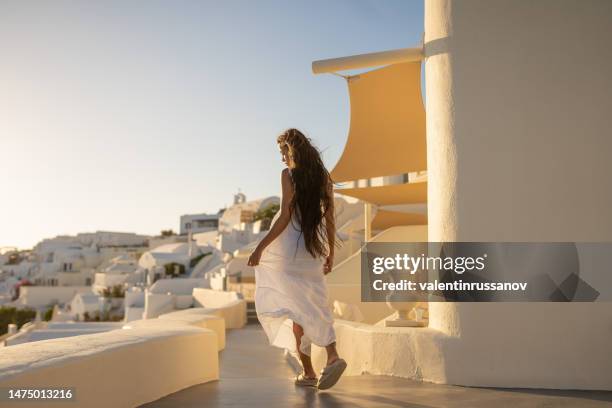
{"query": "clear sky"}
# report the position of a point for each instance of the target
(123, 115)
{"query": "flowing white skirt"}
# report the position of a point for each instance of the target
(290, 287)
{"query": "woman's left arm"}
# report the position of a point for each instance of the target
(281, 222)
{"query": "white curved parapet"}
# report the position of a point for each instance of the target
(199, 317)
(228, 305)
(142, 362)
(414, 353)
(426, 354)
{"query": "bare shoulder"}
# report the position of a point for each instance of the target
(286, 178)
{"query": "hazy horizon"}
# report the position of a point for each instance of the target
(121, 116)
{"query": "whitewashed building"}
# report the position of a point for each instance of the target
(195, 223)
(85, 303)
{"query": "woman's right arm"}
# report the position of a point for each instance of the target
(281, 222)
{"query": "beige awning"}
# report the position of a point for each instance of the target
(409, 193)
(386, 219)
(387, 129)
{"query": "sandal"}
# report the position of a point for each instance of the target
(331, 374)
(304, 381)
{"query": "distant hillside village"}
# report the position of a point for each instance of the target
(121, 277)
(102, 275)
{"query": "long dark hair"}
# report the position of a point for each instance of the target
(312, 183)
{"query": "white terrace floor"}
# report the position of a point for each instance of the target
(254, 374)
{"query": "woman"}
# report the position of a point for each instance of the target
(291, 261)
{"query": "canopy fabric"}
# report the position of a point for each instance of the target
(386, 219)
(387, 129)
(408, 193)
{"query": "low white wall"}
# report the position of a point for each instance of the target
(46, 334)
(157, 304)
(198, 317)
(23, 334)
(133, 313)
(119, 368)
(134, 298)
(110, 279)
(228, 305)
(430, 355)
(134, 302)
(178, 286)
(83, 325)
(413, 353)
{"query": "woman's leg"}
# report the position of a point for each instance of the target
(298, 331)
(333, 370)
(332, 353)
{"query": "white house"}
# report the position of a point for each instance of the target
(24, 269)
(237, 226)
(242, 211)
(180, 253)
(85, 303)
(44, 296)
(195, 223)
(7, 287)
(195, 258)
(72, 260)
(118, 271)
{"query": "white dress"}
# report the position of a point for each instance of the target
(290, 287)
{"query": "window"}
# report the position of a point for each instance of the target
(207, 223)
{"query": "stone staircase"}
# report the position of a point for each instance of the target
(251, 313)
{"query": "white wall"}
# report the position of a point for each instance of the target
(39, 296)
(119, 368)
(518, 98)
